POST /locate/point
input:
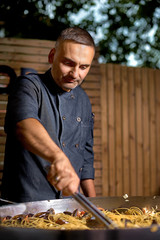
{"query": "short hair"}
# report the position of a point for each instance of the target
(77, 35)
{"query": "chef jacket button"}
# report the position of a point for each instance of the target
(77, 145)
(72, 96)
(80, 170)
(78, 119)
(64, 118)
(63, 144)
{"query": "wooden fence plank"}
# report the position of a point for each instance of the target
(24, 58)
(111, 129)
(118, 130)
(104, 133)
(28, 42)
(152, 130)
(157, 92)
(139, 131)
(146, 136)
(132, 132)
(125, 129)
(27, 50)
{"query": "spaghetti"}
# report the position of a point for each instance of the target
(124, 217)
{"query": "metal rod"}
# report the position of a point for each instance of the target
(6, 201)
(88, 205)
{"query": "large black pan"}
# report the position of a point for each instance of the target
(70, 204)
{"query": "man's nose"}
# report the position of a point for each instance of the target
(74, 72)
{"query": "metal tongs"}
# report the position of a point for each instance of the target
(88, 205)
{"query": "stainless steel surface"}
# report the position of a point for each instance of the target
(88, 205)
(71, 204)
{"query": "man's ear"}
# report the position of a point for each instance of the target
(51, 55)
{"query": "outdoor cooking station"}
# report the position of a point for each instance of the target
(70, 204)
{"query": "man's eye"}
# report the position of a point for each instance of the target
(67, 63)
(83, 67)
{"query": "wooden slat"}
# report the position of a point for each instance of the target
(157, 92)
(111, 130)
(2, 121)
(4, 97)
(27, 50)
(27, 42)
(125, 127)
(2, 148)
(118, 133)
(24, 58)
(93, 78)
(104, 123)
(2, 140)
(1, 159)
(40, 67)
(3, 105)
(132, 132)
(4, 79)
(2, 133)
(92, 92)
(152, 126)
(139, 157)
(91, 85)
(95, 100)
(97, 125)
(146, 136)
(98, 182)
(97, 156)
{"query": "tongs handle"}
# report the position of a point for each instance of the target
(88, 205)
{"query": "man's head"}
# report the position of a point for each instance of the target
(76, 34)
(72, 57)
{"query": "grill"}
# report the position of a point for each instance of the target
(70, 204)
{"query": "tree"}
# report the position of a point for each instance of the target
(121, 28)
(131, 27)
(41, 19)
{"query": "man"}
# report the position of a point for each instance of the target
(49, 126)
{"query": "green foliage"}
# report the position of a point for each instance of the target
(31, 19)
(126, 27)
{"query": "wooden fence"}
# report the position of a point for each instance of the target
(126, 103)
(130, 107)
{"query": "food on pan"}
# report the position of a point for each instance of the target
(124, 217)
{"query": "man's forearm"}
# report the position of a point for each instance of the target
(34, 137)
(88, 187)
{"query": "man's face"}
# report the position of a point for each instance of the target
(70, 63)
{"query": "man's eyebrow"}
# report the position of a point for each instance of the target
(68, 59)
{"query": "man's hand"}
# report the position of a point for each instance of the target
(62, 176)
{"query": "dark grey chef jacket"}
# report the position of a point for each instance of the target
(68, 119)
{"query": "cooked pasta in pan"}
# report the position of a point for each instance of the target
(124, 217)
